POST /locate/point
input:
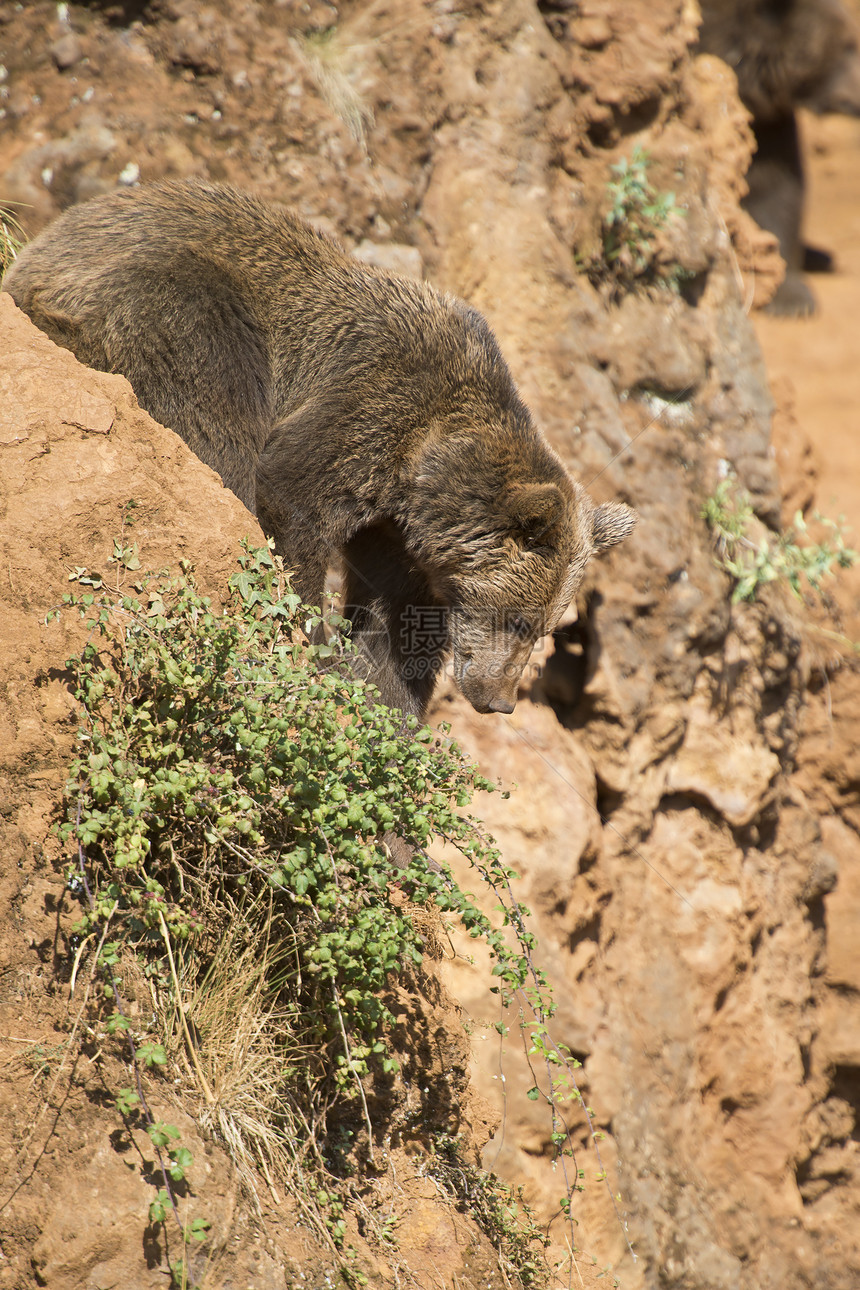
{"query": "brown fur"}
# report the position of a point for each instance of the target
(786, 54)
(355, 412)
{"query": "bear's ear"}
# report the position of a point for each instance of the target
(611, 522)
(533, 509)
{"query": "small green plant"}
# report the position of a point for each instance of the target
(235, 787)
(173, 1158)
(42, 1058)
(637, 214)
(499, 1210)
(753, 562)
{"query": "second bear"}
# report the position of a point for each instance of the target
(786, 54)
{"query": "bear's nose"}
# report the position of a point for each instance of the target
(502, 705)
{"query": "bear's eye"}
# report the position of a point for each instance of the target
(520, 627)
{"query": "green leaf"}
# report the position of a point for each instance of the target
(162, 1133)
(181, 1157)
(151, 1054)
(127, 1101)
(160, 1207)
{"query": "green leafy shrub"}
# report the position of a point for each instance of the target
(231, 806)
(631, 226)
(226, 742)
(755, 561)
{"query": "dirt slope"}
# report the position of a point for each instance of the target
(687, 775)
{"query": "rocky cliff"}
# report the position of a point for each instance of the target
(686, 781)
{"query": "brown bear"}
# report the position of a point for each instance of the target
(786, 54)
(355, 412)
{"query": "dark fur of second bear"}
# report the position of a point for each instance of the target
(786, 54)
(355, 412)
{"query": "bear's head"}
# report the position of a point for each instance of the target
(504, 538)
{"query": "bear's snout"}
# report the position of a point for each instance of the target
(500, 704)
(486, 694)
(489, 659)
(485, 704)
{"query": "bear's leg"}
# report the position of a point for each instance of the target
(307, 569)
(399, 628)
(775, 201)
(285, 506)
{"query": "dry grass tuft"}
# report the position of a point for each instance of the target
(246, 1049)
(329, 59)
(11, 239)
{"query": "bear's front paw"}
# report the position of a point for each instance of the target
(793, 299)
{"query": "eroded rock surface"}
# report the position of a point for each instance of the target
(678, 843)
